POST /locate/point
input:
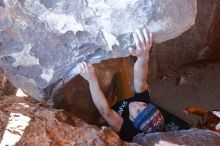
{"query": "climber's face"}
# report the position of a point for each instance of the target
(135, 108)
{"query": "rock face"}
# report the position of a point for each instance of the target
(42, 40)
(28, 123)
(192, 137)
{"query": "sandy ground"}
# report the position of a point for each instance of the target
(199, 87)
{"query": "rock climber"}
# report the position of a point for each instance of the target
(137, 114)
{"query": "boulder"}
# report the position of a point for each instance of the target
(25, 122)
(41, 41)
(192, 137)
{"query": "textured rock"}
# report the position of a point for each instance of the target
(42, 41)
(27, 123)
(6, 87)
(192, 137)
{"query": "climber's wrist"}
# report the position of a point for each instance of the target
(143, 60)
(93, 80)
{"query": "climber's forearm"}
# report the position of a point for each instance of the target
(114, 119)
(143, 41)
(140, 74)
(98, 97)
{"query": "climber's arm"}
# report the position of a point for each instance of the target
(140, 75)
(143, 45)
(98, 97)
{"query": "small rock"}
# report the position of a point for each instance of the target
(181, 81)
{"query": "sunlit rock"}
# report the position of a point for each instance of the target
(24, 122)
(41, 41)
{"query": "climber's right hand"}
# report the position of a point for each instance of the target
(87, 71)
(144, 42)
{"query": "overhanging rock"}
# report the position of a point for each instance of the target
(41, 41)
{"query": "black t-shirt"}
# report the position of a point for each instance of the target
(128, 131)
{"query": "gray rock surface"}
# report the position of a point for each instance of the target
(41, 41)
(192, 137)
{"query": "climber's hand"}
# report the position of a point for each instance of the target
(143, 43)
(87, 71)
